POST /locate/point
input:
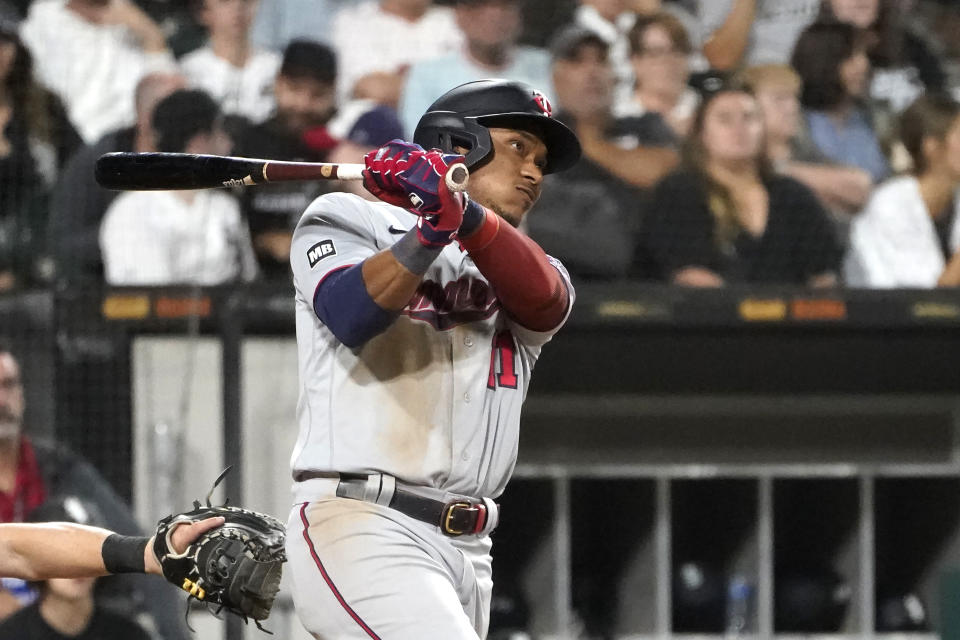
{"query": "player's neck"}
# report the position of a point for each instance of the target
(67, 616)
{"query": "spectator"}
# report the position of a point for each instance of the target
(179, 237)
(66, 607)
(832, 62)
(843, 189)
(278, 22)
(85, 52)
(726, 216)
(589, 218)
(36, 138)
(237, 74)
(659, 50)
(34, 472)
(491, 29)
(612, 20)
(304, 127)
(739, 33)
(903, 59)
(909, 235)
(383, 38)
(79, 203)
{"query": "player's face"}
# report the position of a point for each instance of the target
(510, 183)
(303, 102)
(11, 397)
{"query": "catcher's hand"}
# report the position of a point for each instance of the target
(236, 566)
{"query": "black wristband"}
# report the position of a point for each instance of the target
(473, 216)
(124, 554)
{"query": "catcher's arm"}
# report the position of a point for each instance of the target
(66, 550)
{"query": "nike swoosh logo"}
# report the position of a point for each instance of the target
(393, 229)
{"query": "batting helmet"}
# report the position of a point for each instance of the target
(461, 117)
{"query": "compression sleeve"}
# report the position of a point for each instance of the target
(529, 287)
(343, 304)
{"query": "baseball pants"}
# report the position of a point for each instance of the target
(364, 571)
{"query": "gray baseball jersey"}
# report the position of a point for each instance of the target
(435, 399)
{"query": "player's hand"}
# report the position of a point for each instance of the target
(406, 175)
(183, 535)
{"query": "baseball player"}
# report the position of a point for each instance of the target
(66, 550)
(419, 321)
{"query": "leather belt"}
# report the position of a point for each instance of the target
(466, 516)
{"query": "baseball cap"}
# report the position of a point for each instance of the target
(10, 20)
(309, 59)
(566, 43)
(365, 123)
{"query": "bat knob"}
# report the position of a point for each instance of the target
(457, 177)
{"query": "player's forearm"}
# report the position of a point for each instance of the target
(390, 283)
(530, 289)
(43, 551)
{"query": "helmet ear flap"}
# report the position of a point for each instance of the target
(447, 131)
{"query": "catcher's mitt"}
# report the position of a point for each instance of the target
(236, 566)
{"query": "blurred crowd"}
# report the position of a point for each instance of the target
(806, 142)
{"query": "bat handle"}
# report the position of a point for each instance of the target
(457, 177)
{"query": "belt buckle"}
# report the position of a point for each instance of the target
(448, 516)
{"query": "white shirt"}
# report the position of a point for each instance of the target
(156, 238)
(245, 91)
(367, 39)
(615, 34)
(435, 399)
(776, 26)
(93, 68)
(893, 241)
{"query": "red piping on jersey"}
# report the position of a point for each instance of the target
(326, 577)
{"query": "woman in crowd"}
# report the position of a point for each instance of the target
(835, 70)
(36, 138)
(908, 234)
(659, 52)
(726, 216)
(902, 56)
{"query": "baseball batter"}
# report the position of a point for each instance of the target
(419, 321)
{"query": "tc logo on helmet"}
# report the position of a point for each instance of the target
(543, 104)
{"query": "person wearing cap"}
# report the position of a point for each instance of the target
(590, 216)
(307, 125)
(419, 321)
(179, 237)
(36, 138)
(491, 29)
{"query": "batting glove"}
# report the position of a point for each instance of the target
(407, 176)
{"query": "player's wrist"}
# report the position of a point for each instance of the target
(411, 252)
(124, 554)
(483, 232)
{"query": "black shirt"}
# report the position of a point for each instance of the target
(28, 624)
(798, 242)
(587, 217)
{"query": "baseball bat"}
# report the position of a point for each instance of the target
(128, 171)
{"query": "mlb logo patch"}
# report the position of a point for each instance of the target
(319, 251)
